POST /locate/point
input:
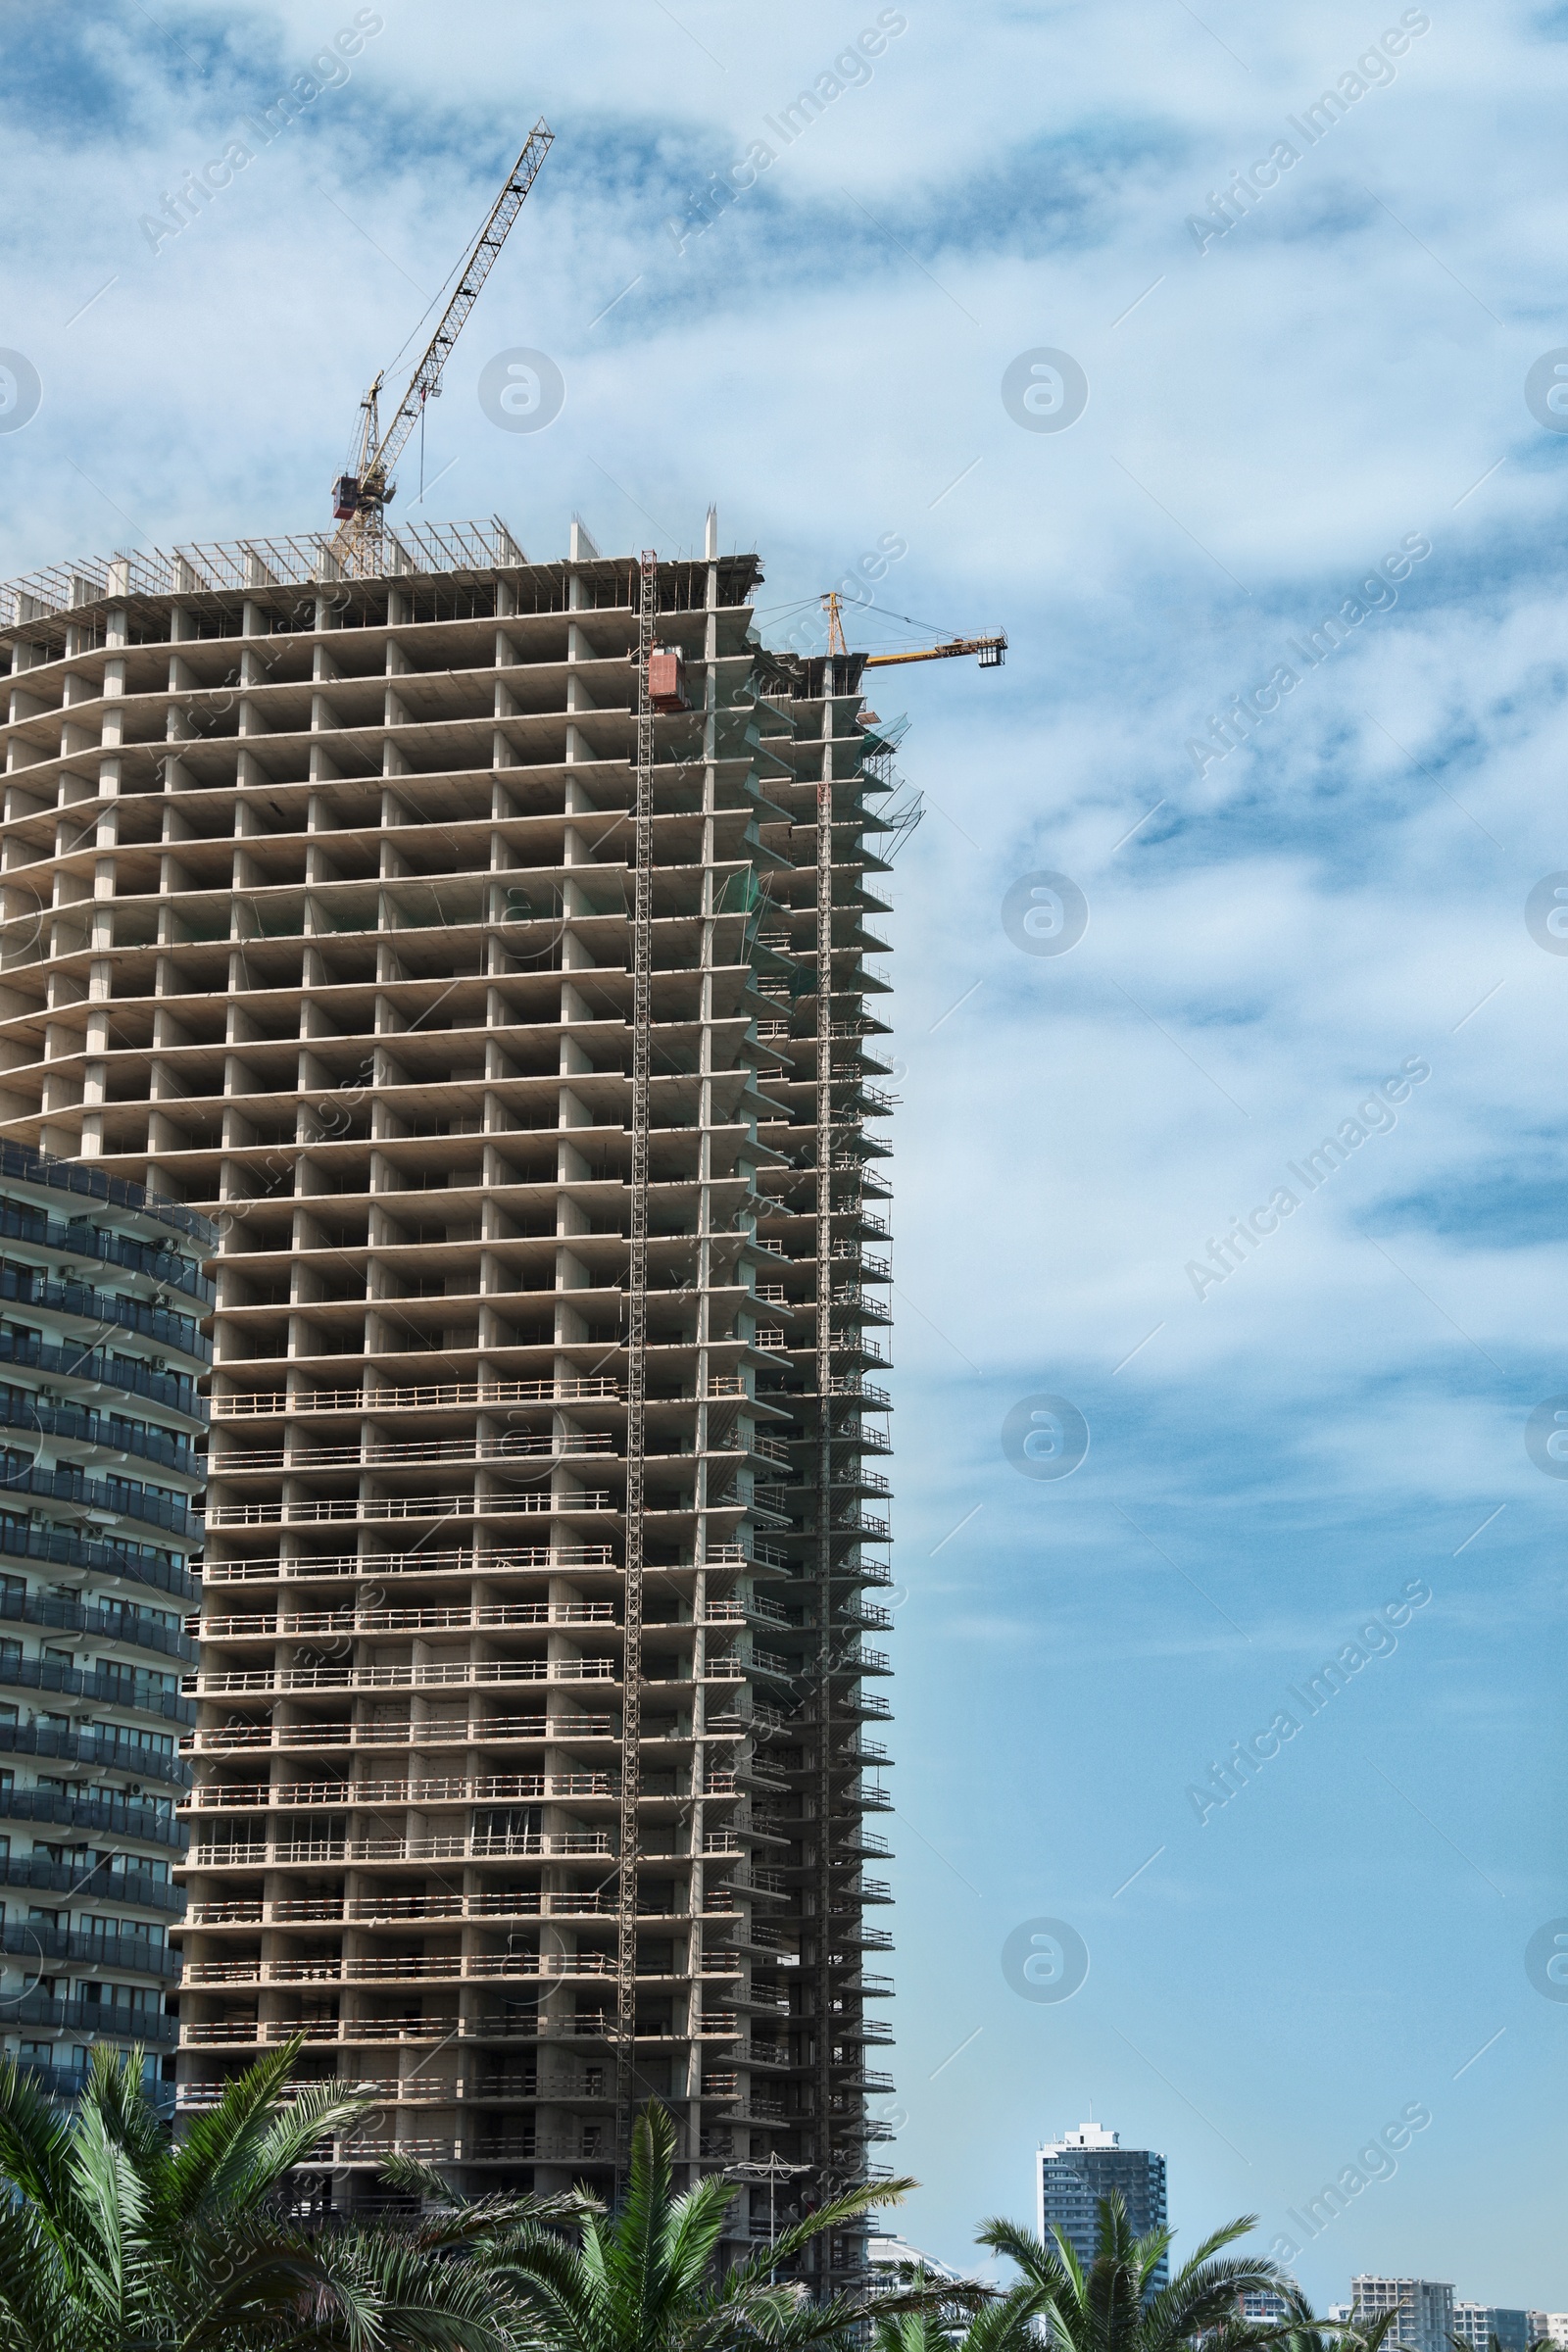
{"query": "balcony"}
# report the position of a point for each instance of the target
(314, 1852)
(252, 1403)
(461, 1674)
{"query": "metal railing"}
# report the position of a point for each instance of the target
(481, 1788)
(241, 1406)
(50, 1418)
(458, 1848)
(110, 1951)
(315, 1511)
(176, 1390)
(307, 1622)
(106, 1306)
(73, 1176)
(130, 1625)
(21, 1223)
(95, 1884)
(416, 1563)
(126, 1498)
(459, 1674)
(516, 1446)
(238, 565)
(93, 2016)
(47, 1674)
(109, 1747)
(72, 1812)
(216, 1738)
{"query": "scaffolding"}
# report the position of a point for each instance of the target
(642, 948)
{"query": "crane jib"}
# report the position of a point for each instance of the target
(357, 498)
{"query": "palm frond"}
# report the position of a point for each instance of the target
(34, 2138)
(830, 2216)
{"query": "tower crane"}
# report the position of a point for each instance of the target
(359, 495)
(989, 650)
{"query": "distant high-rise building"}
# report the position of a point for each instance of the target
(889, 2253)
(1425, 2308)
(1074, 2173)
(1261, 2307)
(1551, 2326)
(1478, 2323)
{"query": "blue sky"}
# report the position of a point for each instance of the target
(1271, 413)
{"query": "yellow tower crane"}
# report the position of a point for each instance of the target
(359, 495)
(989, 650)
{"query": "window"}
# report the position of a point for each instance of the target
(126, 2000)
(118, 1865)
(101, 1928)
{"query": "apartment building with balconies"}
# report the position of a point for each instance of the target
(102, 1299)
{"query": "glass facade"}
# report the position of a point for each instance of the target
(102, 1296)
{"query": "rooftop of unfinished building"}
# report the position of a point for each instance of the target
(402, 552)
(41, 608)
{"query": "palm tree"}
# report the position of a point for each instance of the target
(961, 2318)
(1338, 2335)
(1115, 2304)
(113, 2239)
(647, 2279)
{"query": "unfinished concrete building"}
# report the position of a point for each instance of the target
(482, 943)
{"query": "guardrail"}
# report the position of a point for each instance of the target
(106, 1306)
(96, 1184)
(177, 1390)
(249, 1403)
(45, 1674)
(19, 1223)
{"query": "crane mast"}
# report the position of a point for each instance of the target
(359, 497)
